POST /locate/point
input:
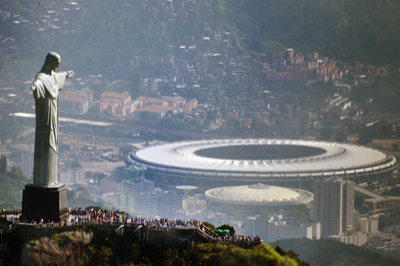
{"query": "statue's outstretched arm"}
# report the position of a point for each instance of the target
(70, 74)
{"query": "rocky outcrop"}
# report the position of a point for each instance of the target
(66, 248)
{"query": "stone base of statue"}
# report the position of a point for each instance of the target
(47, 203)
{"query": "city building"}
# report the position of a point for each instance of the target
(355, 238)
(197, 202)
(27, 156)
(149, 85)
(274, 227)
(142, 196)
(293, 229)
(74, 104)
(113, 96)
(368, 225)
(134, 186)
(149, 101)
(216, 218)
(376, 203)
(108, 185)
(175, 101)
(71, 175)
(190, 105)
(157, 111)
(132, 173)
(333, 206)
(258, 225)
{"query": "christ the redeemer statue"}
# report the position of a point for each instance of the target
(45, 90)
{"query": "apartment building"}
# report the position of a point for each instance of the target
(333, 206)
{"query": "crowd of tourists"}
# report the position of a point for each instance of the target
(97, 214)
(238, 238)
(100, 215)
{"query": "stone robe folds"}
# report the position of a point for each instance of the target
(45, 91)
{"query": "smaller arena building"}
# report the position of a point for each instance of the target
(257, 196)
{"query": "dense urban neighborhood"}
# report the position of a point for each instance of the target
(172, 71)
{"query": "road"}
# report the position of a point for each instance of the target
(102, 167)
(239, 44)
(87, 118)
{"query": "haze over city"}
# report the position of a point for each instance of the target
(211, 128)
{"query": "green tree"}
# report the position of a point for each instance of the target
(341, 136)
(81, 198)
(209, 225)
(332, 262)
(364, 139)
(10, 128)
(297, 214)
(352, 113)
(259, 126)
(3, 164)
(313, 250)
(211, 115)
(349, 30)
(12, 184)
(335, 115)
(125, 149)
(146, 116)
(283, 107)
(386, 131)
(326, 133)
(227, 227)
(395, 146)
(16, 169)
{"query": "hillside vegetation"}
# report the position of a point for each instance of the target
(115, 32)
(11, 185)
(329, 252)
(196, 254)
(13, 182)
(89, 245)
(384, 91)
(365, 31)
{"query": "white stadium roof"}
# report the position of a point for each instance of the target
(258, 195)
(261, 159)
(336, 157)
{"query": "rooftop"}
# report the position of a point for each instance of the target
(259, 195)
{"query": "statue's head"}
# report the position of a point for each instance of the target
(52, 62)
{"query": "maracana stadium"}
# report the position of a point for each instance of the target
(281, 162)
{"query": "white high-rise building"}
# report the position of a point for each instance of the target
(142, 196)
(293, 229)
(333, 206)
(71, 175)
(27, 162)
(369, 225)
(274, 227)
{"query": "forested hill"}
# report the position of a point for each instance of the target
(365, 31)
(324, 252)
(11, 185)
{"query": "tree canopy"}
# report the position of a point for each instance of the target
(196, 254)
(11, 186)
(364, 31)
(330, 252)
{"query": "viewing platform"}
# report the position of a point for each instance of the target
(147, 235)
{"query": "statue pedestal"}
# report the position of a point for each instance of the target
(44, 203)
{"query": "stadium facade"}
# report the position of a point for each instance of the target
(282, 162)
